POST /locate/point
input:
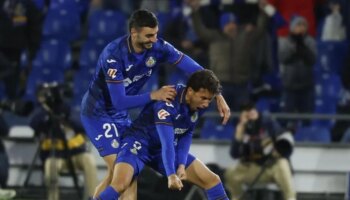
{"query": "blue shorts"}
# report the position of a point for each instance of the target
(134, 153)
(104, 133)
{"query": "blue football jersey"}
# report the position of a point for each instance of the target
(118, 63)
(176, 114)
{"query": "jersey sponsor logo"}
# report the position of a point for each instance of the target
(179, 131)
(162, 114)
(128, 81)
(112, 73)
(111, 61)
(129, 67)
(98, 137)
(194, 117)
(169, 104)
(150, 61)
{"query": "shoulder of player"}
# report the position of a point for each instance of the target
(113, 51)
(160, 44)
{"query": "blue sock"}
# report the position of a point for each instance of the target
(108, 194)
(217, 192)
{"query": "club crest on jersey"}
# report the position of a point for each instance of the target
(162, 114)
(115, 144)
(150, 61)
(194, 117)
(112, 72)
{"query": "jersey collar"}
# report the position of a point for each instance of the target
(130, 47)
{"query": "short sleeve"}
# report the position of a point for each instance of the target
(164, 113)
(112, 70)
(172, 55)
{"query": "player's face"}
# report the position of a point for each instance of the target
(198, 100)
(145, 37)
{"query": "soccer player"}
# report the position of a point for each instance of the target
(123, 67)
(161, 136)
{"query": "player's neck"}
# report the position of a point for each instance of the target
(136, 47)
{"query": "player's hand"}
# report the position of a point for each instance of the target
(181, 172)
(166, 93)
(223, 108)
(174, 183)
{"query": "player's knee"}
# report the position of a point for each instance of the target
(211, 180)
(120, 185)
(216, 179)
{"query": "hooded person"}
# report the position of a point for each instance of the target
(297, 56)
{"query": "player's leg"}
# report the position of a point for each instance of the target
(128, 166)
(199, 174)
(110, 161)
(129, 194)
(104, 135)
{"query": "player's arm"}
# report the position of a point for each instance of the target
(179, 59)
(165, 130)
(166, 135)
(182, 149)
(119, 98)
(188, 65)
(122, 101)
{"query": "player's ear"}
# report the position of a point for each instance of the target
(190, 91)
(133, 31)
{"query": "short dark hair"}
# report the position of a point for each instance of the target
(205, 79)
(142, 18)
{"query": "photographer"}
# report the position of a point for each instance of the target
(61, 141)
(257, 145)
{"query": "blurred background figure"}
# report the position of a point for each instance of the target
(4, 162)
(62, 143)
(297, 54)
(256, 144)
(333, 28)
(232, 50)
(20, 25)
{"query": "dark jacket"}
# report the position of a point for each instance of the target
(20, 25)
(262, 131)
(231, 59)
(58, 131)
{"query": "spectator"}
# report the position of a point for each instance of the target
(334, 29)
(61, 139)
(231, 51)
(20, 28)
(290, 8)
(341, 128)
(297, 54)
(254, 137)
